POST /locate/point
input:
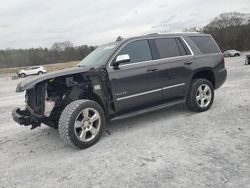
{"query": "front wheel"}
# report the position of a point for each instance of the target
(81, 123)
(201, 95)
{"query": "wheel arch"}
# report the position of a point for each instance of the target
(206, 73)
(94, 97)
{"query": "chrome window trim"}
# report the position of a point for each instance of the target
(180, 37)
(176, 85)
(191, 51)
(151, 91)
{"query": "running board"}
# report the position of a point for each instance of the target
(149, 109)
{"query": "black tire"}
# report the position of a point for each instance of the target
(40, 72)
(22, 75)
(67, 129)
(191, 101)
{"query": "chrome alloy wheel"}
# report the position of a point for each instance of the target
(87, 124)
(203, 95)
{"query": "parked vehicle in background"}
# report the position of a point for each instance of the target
(31, 71)
(122, 79)
(231, 53)
(247, 60)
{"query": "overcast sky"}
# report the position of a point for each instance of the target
(40, 23)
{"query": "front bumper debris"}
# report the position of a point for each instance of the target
(22, 117)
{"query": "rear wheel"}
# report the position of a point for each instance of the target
(40, 72)
(22, 75)
(81, 123)
(201, 95)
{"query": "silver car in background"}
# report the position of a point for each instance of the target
(231, 53)
(31, 71)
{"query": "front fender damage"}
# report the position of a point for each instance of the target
(46, 97)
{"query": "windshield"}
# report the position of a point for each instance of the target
(97, 56)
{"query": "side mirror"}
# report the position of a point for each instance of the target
(121, 59)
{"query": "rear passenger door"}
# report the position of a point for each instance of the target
(35, 70)
(175, 63)
(29, 71)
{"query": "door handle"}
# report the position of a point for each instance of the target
(153, 69)
(188, 63)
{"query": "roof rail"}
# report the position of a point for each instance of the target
(152, 34)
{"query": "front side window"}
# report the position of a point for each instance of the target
(138, 51)
(167, 47)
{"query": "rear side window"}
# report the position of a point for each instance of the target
(138, 51)
(205, 44)
(183, 47)
(169, 47)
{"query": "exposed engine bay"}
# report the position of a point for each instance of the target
(47, 99)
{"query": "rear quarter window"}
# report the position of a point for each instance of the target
(205, 44)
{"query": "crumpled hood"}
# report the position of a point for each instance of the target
(31, 82)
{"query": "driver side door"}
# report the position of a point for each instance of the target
(137, 82)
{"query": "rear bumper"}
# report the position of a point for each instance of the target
(220, 78)
(22, 117)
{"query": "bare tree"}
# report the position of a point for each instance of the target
(228, 19)
(61, 46)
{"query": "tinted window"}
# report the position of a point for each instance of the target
(167, 47)
(205, 44)
(183, 47)
(138, 51)
(98, 56)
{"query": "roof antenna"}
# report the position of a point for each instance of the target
(119, 39)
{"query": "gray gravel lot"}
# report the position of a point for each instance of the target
(168, 148)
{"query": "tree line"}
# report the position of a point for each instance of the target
(230, 30)
(58, 53)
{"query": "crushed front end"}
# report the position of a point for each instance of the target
(48, 95)
(35, 111)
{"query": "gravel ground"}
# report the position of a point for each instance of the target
(168, 148)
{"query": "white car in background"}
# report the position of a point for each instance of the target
(231, 53)
(31, 71)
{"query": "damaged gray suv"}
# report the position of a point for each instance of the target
(122, 79)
